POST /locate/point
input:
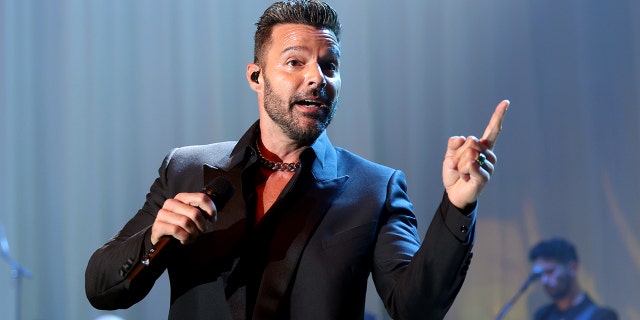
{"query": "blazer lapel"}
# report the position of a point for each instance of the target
(302, 213)
(229, 234)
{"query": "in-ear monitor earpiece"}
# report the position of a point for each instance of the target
(254, 76)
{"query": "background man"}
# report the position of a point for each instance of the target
(558, 260)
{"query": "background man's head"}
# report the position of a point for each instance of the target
(558, 260)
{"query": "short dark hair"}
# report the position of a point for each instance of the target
(558, 249)
(308, 12)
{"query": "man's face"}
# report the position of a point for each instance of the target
(301, 80)
(557, 278)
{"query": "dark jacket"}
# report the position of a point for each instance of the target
(585, 310)
(343, 219)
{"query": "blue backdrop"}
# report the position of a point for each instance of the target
(94, 93)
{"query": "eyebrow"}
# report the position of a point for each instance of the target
(293, 48)
(333, 49)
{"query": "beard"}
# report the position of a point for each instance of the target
(562, 288)
(290, 121)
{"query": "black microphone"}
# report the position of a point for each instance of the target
(219, 191)
(536, 272)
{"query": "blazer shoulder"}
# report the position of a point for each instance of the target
(353, 161)
(201, 154)
(605, 313)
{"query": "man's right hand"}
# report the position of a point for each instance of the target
(183, 217)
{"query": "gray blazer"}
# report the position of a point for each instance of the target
(351, 218)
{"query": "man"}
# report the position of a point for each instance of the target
(308, 222)
(558, 261)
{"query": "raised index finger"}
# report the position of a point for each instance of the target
(495, 125)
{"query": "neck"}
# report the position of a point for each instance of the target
(272, 162)
(278, 148)
(574, 298)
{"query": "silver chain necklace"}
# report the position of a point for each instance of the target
(276, 166)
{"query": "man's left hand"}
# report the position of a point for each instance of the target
(469, 162)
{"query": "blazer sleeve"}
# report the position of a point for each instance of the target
(414, 280)
(106, 284)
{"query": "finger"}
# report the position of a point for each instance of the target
(495, 125)
(453, 146)
(455, 142)
(476, 168)
(489, 156)
(164, 225)
(485, 164)
(469, 149)
(484, 159)
(187, 216)
(198, 200)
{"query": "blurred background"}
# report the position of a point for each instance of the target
(93, 94)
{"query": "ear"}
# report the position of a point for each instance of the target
(254, 77)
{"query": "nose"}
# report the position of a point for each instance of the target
(315, 77)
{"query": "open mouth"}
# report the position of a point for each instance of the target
(311, 103)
